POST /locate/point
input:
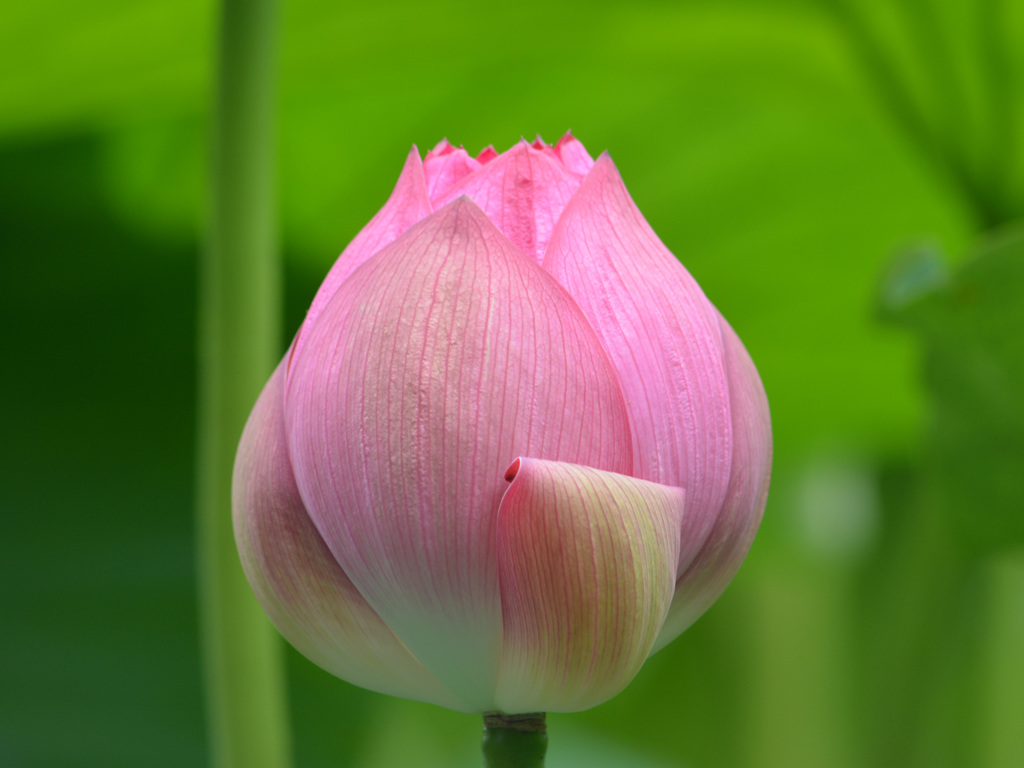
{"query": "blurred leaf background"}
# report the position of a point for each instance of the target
(846, 181)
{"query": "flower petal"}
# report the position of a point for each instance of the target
(408, 204)
(587, 564)
(663, 337)
(443, 147)
(523, 191)
(301, 587)
(727, 545)
(487, 154)
(444, 167)
(573, 154)
(449, 354)
(544, 148)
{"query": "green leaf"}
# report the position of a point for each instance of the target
(972, 327)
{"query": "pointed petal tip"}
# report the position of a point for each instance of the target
(463, 204)
(523, 191)
(519, 148)
(443, 147)
(444, 170)
(607, 165)
(456, 215)
(573, 154)
(414, 152)
(408, 203)
(513, 470)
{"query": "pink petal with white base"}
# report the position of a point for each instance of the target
(663, 337)
(302, 588)
(730, 539)
(523, 191)
(449, 354)
(587, 563)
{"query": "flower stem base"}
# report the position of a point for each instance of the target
(515, 741)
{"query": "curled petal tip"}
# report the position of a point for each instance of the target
(513, 470)
(587, 565)
(443, 147)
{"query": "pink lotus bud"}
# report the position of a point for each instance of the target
(513, 449)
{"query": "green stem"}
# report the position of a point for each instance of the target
(1003, 702)
(239, 320)
(515, 741)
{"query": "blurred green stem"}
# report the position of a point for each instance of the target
(1003, 738)
(239, 312)
(515, 741)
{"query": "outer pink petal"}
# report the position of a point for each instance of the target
(574, 155)
(730, 539)
(443, 170)
(302, 588)
(663, 337)
(408, 204)
(587, 562)
(449, 354)
(523, 192)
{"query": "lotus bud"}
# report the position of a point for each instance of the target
(512, 450)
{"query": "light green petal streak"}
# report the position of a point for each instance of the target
(587, 564)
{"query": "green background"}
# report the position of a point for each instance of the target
(846, 182)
